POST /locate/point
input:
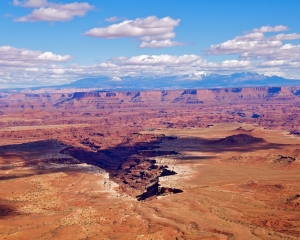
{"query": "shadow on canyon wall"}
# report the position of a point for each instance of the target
(131, 165)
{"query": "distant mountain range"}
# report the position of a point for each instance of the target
(243, 79)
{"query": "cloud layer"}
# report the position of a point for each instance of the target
(256, 52)
(49, 11)
(23, 66)
(152, 31)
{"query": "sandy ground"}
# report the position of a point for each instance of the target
(221, 198)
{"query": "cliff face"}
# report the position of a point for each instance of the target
(100, 100)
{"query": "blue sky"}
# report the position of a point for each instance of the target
(57, 41)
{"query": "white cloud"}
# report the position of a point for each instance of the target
(236, 47)
(160, 44)
(154, 60)
(49, 11)
(151, 31)
(25, 56)
(282, 37)
(151, 27)
(235, 64)
(30, 3)
(287, 51)
(256, 45)
(264, 29)
(251, 36)
(24, 66)
(114, 19)
(262, 53)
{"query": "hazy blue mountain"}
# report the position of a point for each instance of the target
(243, 79)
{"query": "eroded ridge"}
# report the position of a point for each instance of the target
(132, 165)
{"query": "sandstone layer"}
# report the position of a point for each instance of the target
(180, 164)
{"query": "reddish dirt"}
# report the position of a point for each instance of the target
(185, 164)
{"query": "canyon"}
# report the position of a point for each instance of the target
(164, 164)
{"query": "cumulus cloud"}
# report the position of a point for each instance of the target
(18, 65)
(49, 11)
(11, 54)
(152, 31)
(255, 45)
(151, 27)
(285, 52)
(237, 47)
(264, 54)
